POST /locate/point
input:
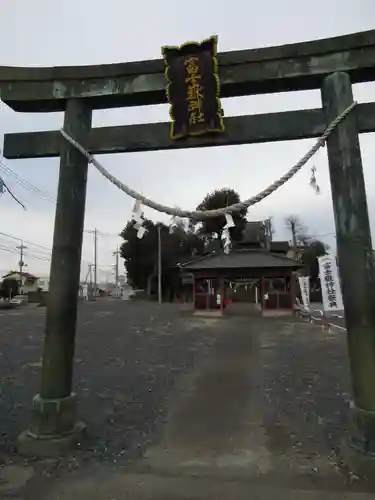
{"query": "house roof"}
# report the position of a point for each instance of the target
(280, 246)
(184, 261)
(254, 231)
(242, 259)
(187, 259)
(25, 275)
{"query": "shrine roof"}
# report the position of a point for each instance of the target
(242, 259)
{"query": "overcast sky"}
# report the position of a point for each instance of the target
(79, 32)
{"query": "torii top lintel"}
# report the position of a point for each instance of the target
(300, 66)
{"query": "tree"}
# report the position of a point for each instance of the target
(269, 226)
(312, 251)
(312, 248)
(221, 198)
(141, 255)
(297, 229)
(184, 240)
(9, 288)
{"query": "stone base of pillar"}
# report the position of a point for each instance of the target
(358, 452)
(362, 430)
(53, 430)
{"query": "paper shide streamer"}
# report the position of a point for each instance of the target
(137, 217)
(313, 182)
(225, 235)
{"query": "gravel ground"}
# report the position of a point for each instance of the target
(128, 359)
(131, 358)
(306, 387)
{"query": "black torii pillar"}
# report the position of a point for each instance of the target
(354, 249)
(54, 427)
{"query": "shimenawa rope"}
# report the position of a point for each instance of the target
(203, 214)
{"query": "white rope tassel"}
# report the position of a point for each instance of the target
(137, 217)
(226, 234)
(225, 238)
(229, 221)
(137, 212)
(236, 207)
(227, 247)
(313, 182)
(141, 232)
(175, 222)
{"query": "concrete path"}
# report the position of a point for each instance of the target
(216, 426)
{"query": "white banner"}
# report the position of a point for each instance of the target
(304, 284)
(330, 283)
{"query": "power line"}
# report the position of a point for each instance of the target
(25, 241)
(87, 231)
(4, 187)
(32, 189)
(35, 190)
(35, 254)
(29, 255)
(44, 258)
(7, 249)
(44, 248)
(41, 194)
(101, 233)
(25, 183)
(26, 254)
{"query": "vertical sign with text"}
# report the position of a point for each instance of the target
(304, 284)
(330, 283)
(193, 88)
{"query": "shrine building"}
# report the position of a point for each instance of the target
(257, 274)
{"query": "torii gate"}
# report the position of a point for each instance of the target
(331, 65)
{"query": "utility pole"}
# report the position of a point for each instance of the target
(116, 254)
(159, 265)
(90, 275)
(87, 274)
(90, 282)
(95, 232)
(95, 261)
(21, 263)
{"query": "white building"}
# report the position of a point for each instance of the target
(43, 283)
(27, 281)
